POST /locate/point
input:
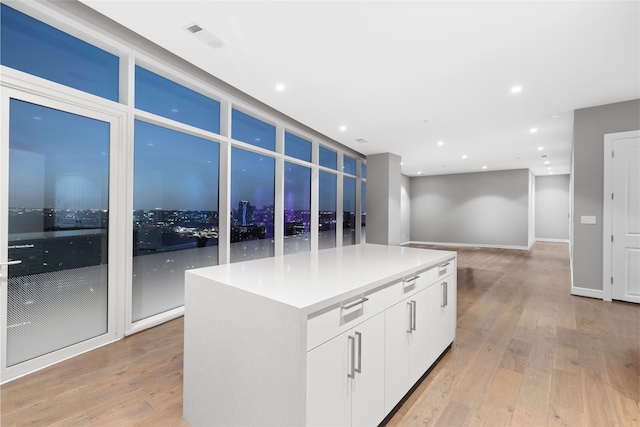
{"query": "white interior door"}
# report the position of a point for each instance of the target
(625, 216)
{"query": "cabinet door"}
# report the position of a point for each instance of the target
(328, 387)
(441, 316)
(418, 339)
(396, 353)
(367, 407)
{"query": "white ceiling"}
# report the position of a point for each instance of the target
(405, 75)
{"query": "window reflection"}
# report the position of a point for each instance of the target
(165, 98)
(252, 205)
(248, 129)
(327, 207)
(348, 211)
(175, 218)
(36, 48)
(363, 216)
(328, 158)
(58, 221)
(294, 146)
(297, 208)
(348, 165)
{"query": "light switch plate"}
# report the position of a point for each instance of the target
(587, 219)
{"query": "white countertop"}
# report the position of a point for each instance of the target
(313, 280)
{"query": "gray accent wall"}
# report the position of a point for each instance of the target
(484, 208)
(552, 207)
(589, 127)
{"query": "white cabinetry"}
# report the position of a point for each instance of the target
(314, 338)
(441, 316)
(345, 377)
(405, 345)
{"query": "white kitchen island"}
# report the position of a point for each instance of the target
(330, 337)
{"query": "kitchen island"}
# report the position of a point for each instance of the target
(330, 337)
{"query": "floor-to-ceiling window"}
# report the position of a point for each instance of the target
(57, 169)
(175, 197)
(175, 215)
(349, 201)
(179, 149)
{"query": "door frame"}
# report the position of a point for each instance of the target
(24, 87)
(607, 211)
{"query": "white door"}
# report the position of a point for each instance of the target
(626, 219)
(56, 251)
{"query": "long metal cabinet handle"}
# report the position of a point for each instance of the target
(12, 262)
(410, 330)
(412, 279)
(352, 344)
(445, 294)
(353, 304)
(359, 368)
(444, 265)
(413, 315)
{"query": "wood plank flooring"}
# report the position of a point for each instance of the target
(528, 354)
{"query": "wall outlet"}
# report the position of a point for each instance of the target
(587, 219)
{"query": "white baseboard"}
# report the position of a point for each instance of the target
(539, 239)
(469, 245)
(586, 292)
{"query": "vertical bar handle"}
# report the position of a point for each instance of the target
(352, 345)
(410, 317)
(413, 315)
(445, 294)
(359, 337)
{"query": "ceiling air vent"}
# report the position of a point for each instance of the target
(194, 28)
(362, 140)
(205, 36)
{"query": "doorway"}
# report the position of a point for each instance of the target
(621, 217)
(56, 269)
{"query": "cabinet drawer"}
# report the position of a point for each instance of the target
(326, 324)
(442, 270)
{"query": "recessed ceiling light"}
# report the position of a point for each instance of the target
(516, 89)
(343, 128)
(440, 143)
(555, 116)
(401, 163)
(547, 162)
(540, 148)
(279, 87)
(419, 173)
(550, 173)
(464, 156)
(549, 168)
(484, 167)
(533, 130)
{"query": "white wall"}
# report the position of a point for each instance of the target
(405, 209)
(552, 207)
(484, 208)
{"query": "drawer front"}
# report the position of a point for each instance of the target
(328, 324)
(442, 270)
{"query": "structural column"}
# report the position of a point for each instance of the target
(384, 183)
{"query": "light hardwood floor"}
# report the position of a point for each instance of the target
(528, 353)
